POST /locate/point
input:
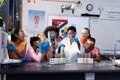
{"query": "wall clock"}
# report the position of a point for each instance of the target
(89, 7)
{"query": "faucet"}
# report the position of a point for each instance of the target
(115, 49)
(114, 52)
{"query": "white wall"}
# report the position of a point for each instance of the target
(106, 33)
(54, 8)
(97, 26)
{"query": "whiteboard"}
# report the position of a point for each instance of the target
(78, 22)
(106, 32)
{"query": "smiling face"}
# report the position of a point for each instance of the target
(53, 34)
(71, 33)
(90, 43)
(42, 37)
(34, 41)
(85, 33)
(20, 35)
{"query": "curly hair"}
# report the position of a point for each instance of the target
(33, 39)
(15, 31)
(50, 28)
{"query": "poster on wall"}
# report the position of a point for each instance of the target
(36, 21)
(63, 22)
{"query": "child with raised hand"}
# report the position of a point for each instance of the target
(33, 53)
(90, 49)
(17, 46)
(52, 33)
(85, 34)
(44, 47)
(69, 46)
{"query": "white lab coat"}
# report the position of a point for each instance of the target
(70, 51)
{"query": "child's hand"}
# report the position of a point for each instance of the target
(24, 59)
(61, 45)
(11, 47)
(41, 47)
(46, 46)
(48, 34)
(75, 40)
(93, 55)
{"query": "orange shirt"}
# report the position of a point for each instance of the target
(20, 48)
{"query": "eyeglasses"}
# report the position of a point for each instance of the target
(20, 33)
(90, 42)
(71, 33)
(37, 41)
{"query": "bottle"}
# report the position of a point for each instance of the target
(9, 35)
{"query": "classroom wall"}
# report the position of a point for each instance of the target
(97, 26)
(106, 33)
(54, 8)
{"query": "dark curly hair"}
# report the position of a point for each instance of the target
(15, 31)
(71, 28)
(50, 28)
(33, 39)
